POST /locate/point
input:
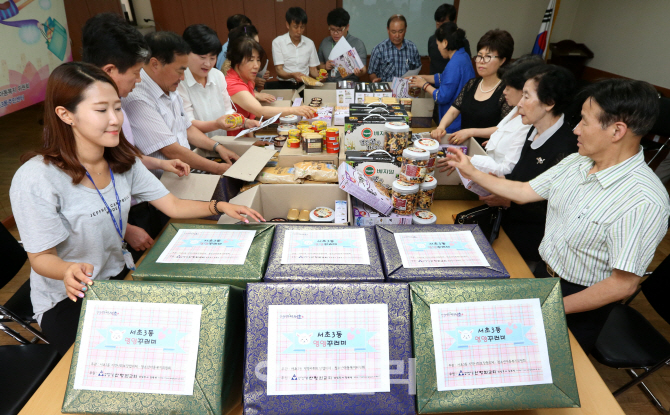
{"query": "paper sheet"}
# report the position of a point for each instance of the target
(345, 57)
(139, 347)
(439, 249)
(262, 71)
(326, 349)
(208, 246)
(263, 125)
(325, 247)
(412, 72)
(489, 344)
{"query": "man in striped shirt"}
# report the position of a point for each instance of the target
(156, 113)
(607, 210)
(393, 57)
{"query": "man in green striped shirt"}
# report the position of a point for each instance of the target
(607, 210)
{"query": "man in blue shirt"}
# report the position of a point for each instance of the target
(233, 22)
(393, 57)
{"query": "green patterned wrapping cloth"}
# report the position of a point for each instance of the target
(237, 275)
(220, 351)
(561, 394)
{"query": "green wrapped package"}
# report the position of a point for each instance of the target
(560, 393)
(237, 275)
(219, 358)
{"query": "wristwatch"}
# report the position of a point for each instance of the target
(215, 145)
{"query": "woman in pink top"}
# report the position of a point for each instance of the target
(245, 56)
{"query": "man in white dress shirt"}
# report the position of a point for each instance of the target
(294, 55)
(156, 112)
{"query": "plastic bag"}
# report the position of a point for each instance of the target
(316, 171)
(278, 175)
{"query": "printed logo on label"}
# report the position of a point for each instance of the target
(369, 171)
(366, 133)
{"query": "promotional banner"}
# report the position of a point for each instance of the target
(34, 41)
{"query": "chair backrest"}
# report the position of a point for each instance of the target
(13, 252)
(656, 289)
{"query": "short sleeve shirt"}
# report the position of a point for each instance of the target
(205, 103)
(614, 218)
(236, 84)
(294, 58)
(52, 212)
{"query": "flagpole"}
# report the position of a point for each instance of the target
(553, 21)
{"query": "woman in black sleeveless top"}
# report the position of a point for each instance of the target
(546, 94)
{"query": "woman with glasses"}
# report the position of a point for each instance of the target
(451, 44)
(338, 26)
(481, 103)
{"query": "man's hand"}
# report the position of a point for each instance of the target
(77, 279)
(138, 238)
(263, 97)
(260, 83)
(222, 168)
(376, 79)
(330, 65)
(438, 133)
(266, 75)
(460, 136)
(495, 200)
(297, 76)
(175, 166)
(227, 155)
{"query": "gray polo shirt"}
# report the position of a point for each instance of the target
(326, 47)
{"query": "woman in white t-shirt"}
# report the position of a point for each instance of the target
(71, 198)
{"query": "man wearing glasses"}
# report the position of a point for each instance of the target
(338, 25)
(393, 57)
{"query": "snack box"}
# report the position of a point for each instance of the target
(359, 186)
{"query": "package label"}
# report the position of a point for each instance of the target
(325, 349)
(439, 249)
(347, 246)
(139, 347)
(489, 344)
(208, 246)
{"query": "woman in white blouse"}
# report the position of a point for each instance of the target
(204, 90)
(504, 147)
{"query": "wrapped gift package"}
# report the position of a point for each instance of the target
(278, 271)
(366, 190)
(491, 346)
(462, 253)
(321, 349)
(125, 357)
(252, 270)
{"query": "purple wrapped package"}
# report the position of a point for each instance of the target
(328, 349)
(364, 189)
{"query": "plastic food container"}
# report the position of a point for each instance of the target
(289, 119)
(424, 217)
(322, 214)
(426, 195)
(414, 162)
(293, 142)
(403, 197)
(432, 146)
(320, 125)
(312, 143)
(397, 137)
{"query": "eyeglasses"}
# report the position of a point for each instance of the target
(485, 59)
(336, 30)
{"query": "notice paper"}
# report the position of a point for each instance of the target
(263, 125)
(439, 249)
(208, 246)
(345, 58)
(139, 347)
(489, 344)
(347, 246)
(325, 349)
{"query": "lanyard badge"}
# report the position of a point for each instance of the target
(127, 256)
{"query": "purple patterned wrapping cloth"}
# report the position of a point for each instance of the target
(278, 272)
(395, 272)
(401, 398)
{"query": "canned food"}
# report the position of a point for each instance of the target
(294, 143)
(320, 125)
(234, 119)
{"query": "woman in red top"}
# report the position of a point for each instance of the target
(245, 56)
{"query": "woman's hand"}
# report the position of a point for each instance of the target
(456, 158)
(263, 97)
(77, 279)
(227, 155)
(417, 81)
(303, 111)
(495, 200)
(137, 238)
(236, 211)
(175, 166)
(443, 166)
(249, 123)
(460, 137)
(438, 133)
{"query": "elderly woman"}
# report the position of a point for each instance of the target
(546, 95)
(481, 103)
(246, 56)
(451, 44)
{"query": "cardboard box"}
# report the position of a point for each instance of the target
(220, 351)
(377, 165)
(382, 89)
(362, 90)
(364, 189)
(237, 275)
(473, 149)
(400, 399)
(328, 96)
(422, 110)
(275, 200)
(278, 272)
(561, 393)
(285, 97)
(344, 92)
(192, 187)
(289, 156)
(364, 137)
(393, 266)
(364, 215)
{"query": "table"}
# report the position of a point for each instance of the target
(595, 397)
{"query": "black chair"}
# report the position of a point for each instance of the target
(657, 140)
(19, 304)
(628, 341)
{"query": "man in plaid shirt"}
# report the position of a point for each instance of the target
(393, 57)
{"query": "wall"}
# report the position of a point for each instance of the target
(79, 11)
(143, 11)
(628, 38)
